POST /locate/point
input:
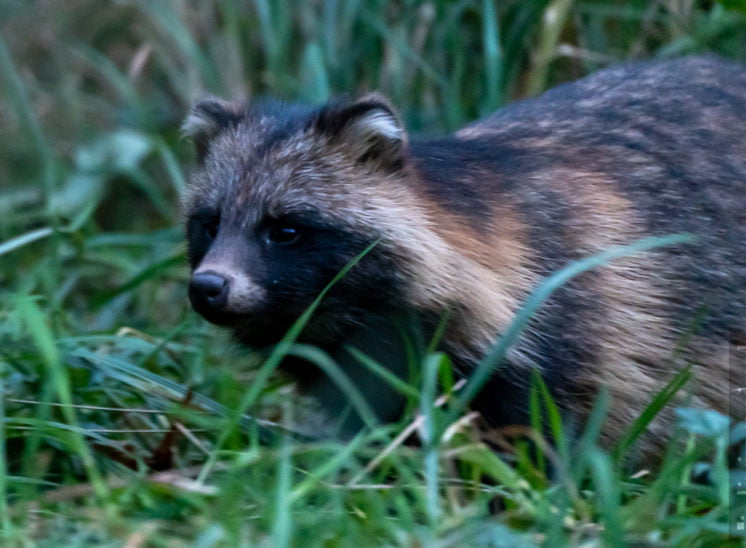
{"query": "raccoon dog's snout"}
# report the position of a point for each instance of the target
(225, 295)
(208, 291)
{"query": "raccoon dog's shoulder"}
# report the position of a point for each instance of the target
(466, 225)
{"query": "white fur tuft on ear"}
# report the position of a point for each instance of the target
(199, 124)
(368, 129)
(378, 123)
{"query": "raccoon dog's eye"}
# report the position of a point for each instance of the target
(212, 227)
(284, 235)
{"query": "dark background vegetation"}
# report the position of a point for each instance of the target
(92, 277)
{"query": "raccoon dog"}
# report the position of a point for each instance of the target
(284, 196)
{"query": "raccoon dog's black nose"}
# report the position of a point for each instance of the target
(209, 290)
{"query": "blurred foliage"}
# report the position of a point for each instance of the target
(92, 278)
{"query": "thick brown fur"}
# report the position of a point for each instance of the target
(469, 224)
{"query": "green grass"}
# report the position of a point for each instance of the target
(126, 419)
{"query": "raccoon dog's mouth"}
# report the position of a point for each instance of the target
(250, 331)
(221, 318)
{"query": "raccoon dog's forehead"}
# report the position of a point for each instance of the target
(278, 164)
(271, 121)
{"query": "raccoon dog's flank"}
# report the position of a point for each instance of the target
(285, 196)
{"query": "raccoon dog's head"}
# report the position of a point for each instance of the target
(283, 198)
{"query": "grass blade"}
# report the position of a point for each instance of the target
(660, 400)
(25, 239)
(431, 432)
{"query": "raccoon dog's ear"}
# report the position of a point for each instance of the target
(207, 118)
(369, 129)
